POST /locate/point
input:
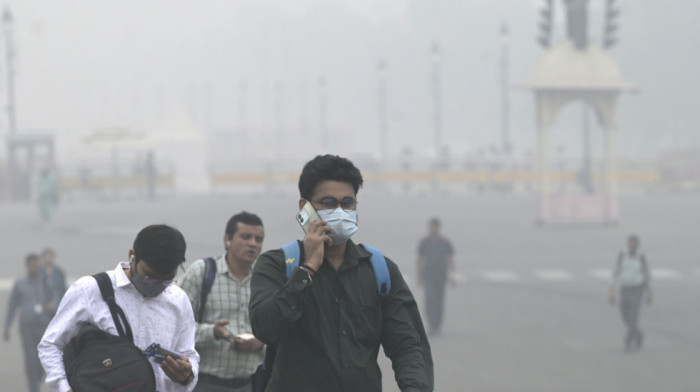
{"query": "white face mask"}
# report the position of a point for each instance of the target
(343, 222)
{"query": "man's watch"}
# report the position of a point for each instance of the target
(189, 379)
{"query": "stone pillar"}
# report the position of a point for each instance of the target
(544, 125)
(610, 168)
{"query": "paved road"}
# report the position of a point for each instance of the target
(530, 315)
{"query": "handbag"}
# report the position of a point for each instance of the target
(262, 374)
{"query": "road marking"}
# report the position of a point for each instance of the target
(554, 275)
(665, 274)
(500, 276)
(600, 273)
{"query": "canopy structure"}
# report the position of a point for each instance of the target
(562, 75)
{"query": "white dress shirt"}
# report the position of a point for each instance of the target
(166, 319)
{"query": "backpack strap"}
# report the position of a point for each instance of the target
(207, 283)
(381, 270)
(120, 321)
(292, 254)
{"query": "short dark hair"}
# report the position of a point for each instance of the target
(31, 257)
(435, 221)
(328, 167)
(162, 247)
(243, 217)
(48, 251)
(633, 237)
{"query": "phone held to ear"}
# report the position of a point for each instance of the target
(307, 215)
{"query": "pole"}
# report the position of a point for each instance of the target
(383, 117)
(9, 55)
(279, 117)
(587, 171)
(13, 180)
(437, 104)
(323, 114)
(505, 98)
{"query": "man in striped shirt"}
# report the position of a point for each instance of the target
(229, 353)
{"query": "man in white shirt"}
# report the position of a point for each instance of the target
(157, 310)
(632, 278)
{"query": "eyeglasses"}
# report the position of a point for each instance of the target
(164, 282)
(330, 203)
(150, 280)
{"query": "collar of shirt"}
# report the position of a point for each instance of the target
(120, 274)
(353, 254)
(222, 269)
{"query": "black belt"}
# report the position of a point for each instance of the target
(224, 382)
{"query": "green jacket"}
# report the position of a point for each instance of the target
(328, 332)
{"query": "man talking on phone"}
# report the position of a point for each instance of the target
(327, 318)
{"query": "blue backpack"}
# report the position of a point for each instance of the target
(292, 254)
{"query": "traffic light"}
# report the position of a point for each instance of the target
(611, 15)
(545, 24)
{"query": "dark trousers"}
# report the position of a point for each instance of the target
(31, 336)
(630, 304)
(435, 304)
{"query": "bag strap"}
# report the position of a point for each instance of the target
(207, 283)
(292, 254)
(120, 321)
(381, 270)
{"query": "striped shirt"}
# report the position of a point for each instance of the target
(228, 300)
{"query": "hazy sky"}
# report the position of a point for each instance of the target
(249, 71)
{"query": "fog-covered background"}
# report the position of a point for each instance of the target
(245, 74)
(230, 98)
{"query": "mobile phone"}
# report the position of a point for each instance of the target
(307, 215)
(163, 353)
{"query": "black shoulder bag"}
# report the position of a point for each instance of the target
(97, 361)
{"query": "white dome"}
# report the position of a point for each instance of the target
(565, 68)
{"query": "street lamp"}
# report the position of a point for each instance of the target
(383, 117)
(437, 99)
(279, 117)
(7, 24)
(323, 113)
(505, 101)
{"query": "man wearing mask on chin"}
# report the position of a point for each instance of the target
(328, 319)
(157, 310)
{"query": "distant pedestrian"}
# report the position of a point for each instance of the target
(55, 277)
(151, 172)
(47, 195)
(31, 295)
(632, 278)
(434, 265)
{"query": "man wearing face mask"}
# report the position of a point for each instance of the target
(328, 319)
(157, 310)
